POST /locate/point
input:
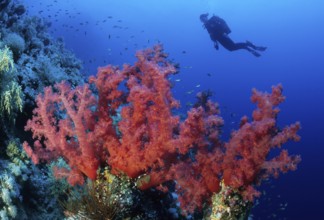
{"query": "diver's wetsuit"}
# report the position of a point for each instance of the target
(218, 31)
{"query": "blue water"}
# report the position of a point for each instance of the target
(110, 31)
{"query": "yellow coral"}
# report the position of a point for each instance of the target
(228, 204)
(6, 60)
(106, 176)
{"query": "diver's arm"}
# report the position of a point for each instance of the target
(216, 44)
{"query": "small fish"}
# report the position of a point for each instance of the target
(190, 92)
(177, 80)
(189, 104)
(198, 85)
(209, 74)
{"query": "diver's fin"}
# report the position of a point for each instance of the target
(255, 53)
(255, 47)
(260, 48)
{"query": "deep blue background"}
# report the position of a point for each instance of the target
(107, 31)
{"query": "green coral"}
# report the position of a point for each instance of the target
(16, 154)
(6, 60)
(11, 99)
(11, 95)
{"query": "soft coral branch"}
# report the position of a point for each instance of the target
(63, 125)
(245, 161)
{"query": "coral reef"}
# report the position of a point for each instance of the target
(21, 187)
(40, 60)
(16, 44)
(30, 59)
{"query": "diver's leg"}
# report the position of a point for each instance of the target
(227, 43)
(231, 46)
(259, 48)
(245, 46)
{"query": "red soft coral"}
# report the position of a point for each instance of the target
(63, 125)
(135, 131)
(245, 161)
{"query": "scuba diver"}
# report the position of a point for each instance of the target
(218, 31)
